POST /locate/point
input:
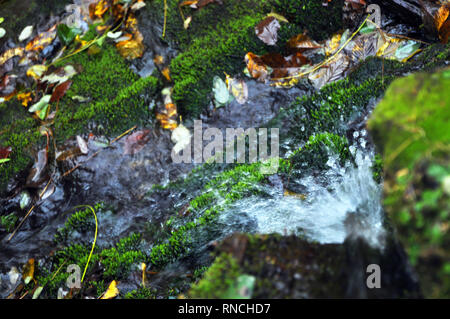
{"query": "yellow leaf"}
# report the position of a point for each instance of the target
(187, 22)
(28, 271)
(277, 16)
(112, 291)
(158, 59)
(292, 194)
(166, 73)
(36, 71)
(24, 98)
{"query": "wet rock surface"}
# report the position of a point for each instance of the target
(284, 266)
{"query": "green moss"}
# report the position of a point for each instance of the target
(20, 132)
(412, 120)
(224, 189)
(81, 221)
(8, 222)
(219, 36)
(141, 293)
(377, 168)
(218, 279)
(320, 21)
(119, 99)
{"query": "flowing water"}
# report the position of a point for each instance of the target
(343, 201)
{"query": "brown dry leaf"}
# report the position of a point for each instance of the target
(302, 42)
(442, 22)
(267, 30)
(5, 151)
(238, 88)
(167, 118)
(28, 271)
(256, 67)
(331, 72)
(24, 98)
(97, 10)
(112, 291)
(60, 91)
(135, 142)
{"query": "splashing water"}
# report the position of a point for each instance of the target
(348, 205)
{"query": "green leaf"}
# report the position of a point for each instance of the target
(4, 160)
(42, 104)
(67, 34)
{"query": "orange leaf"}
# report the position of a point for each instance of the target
(112, 291)
(442, 22)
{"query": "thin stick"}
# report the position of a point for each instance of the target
(95, 238)
(165, 18)
(96, 153)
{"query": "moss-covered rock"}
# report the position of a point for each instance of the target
(410, 126)
(292, 267)
(219, 36)
(118, 100)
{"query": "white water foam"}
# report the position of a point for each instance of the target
(350, 204)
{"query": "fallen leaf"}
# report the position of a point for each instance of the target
(2, 32)
(25, 200)
(41, 107)
(302, 42)
(82, 145)
(42, 40)
(114, 35)
(256, 67)
(5, 151)
(238, 88)
(221, 93)
(166, 73)
(112, 291)
(24, 98)
(37, 292)
(138, 5)
(59, 91)
(36, 71)
(37, 171)
(442, 22)
(26, 33)
(267, 30)
(186, 22)
(131, 49)
(135, 142)
(28, 271)
(181, 137)
(277, 16)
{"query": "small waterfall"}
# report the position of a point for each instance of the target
(346, 202)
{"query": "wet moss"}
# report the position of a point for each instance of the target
(118, 98)
(219, 36)
(8, 222)
(20, 132)
(320, 21)
(106, 264)
(218, 279)
(141, 293)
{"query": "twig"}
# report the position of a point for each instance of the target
(96, 153)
